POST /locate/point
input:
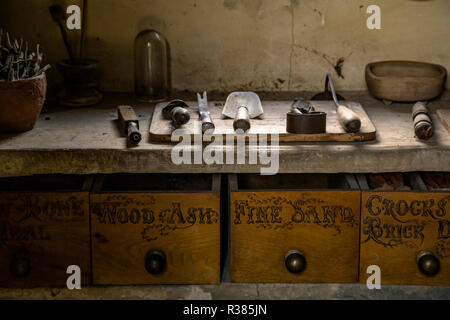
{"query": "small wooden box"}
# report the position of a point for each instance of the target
(398, 226)
(44, 229)
(317, 215)
(156, 229)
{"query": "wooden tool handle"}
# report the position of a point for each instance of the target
(207, 123)
(242, 119)
(180, 116)
(423, 124)
(348, 119)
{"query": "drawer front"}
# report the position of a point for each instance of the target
(323, 225)
(128, 227)
(396, 227)
(41, 234)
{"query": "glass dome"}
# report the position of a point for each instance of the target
(151, 66)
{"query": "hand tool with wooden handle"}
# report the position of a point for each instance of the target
(129, 124)
(242, 106)
(176, 111)
(423, 124)
(348, 119)
(205, 115)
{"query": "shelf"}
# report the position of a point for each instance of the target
(86, 141)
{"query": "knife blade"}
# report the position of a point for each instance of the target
(205, 116)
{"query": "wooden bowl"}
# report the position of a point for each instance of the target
(405, 81)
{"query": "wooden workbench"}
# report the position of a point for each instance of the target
(85, 141)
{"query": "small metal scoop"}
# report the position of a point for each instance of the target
(242, 106)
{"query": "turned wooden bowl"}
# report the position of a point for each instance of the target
(405, 81)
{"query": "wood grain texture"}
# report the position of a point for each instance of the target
(406, 81)
(273, 121)
(444, 116)
(125, 115)
(396, 226)
(185, 226)
(324, 225)
(52, 228)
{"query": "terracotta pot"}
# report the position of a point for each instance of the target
(21, 103)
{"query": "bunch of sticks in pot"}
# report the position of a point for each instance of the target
(17, 61)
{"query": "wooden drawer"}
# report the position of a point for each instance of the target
(400, 227)
(294, 220)
(156, 229)
(44, 228)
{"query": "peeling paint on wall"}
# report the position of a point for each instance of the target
(229, 44)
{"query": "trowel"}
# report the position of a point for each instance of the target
(242, 106)
(348, 119)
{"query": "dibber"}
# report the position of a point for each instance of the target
(348, 119)
(129, 124)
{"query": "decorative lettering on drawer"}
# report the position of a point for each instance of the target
(403, 209)
(39, 208)
(158, 219)
(27, 217)
(409, 234)
(393, 221)
(277, 212)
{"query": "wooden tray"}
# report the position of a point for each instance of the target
(272, 122)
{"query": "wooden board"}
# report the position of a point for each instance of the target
(444, 115)
(185, 226)
(417, 221)
(323, 225)
(52, 229)
(273, 121)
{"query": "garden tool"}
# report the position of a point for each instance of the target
(348, 119)
(242, 106)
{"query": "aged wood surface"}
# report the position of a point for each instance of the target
(324, 225)
(125, 115)
(52, 228)
(396, 226)
(185, 226)
(85, 141)
(444, 116)
(273, 121)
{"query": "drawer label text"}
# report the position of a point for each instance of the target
(410, 218)
(279, 213)
(156, 222)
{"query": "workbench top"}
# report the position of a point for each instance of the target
(88, 140)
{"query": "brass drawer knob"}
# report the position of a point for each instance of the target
(428, 263)
(155, 262)
(20, 265)
(295, 261)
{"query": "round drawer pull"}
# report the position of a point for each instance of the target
(428, 263)
(20, 265)
(295, 261)
(155, 262)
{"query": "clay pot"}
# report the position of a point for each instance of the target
(21, 103)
